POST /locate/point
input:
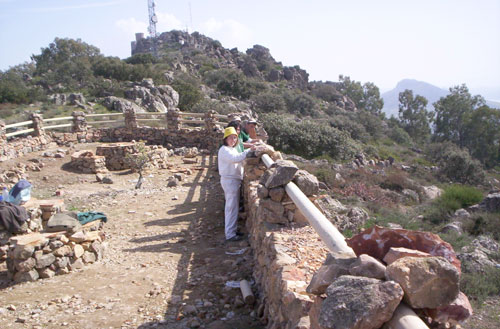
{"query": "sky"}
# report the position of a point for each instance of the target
(442, 42)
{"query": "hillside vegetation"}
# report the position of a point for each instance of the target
(456, 146)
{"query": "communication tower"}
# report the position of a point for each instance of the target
(152, 25)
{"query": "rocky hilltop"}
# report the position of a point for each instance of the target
(257, 62)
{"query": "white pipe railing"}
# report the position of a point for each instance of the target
(57, 119)
(19, 124)
(404, 317)
(329, 234)
(102, 115)
(57, 126)
(20, 132)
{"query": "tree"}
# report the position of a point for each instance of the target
(16, 85)
(453, 113)
(482, 135)
(66, 61)
(138, 161)
(371, 101)
(366, 97)
(413, 116)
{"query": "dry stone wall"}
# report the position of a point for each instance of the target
(357, 289)
(43, 255)
(86, 161)
(116, 155)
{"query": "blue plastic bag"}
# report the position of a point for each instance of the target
(20, 193)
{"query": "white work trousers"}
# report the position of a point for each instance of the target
(231, 187)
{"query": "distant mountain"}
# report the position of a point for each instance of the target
(430, 92)
(493, 104)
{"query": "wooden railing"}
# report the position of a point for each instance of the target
(12, 130)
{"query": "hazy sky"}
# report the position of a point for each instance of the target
(442, 42)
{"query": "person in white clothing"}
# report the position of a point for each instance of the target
(231, 175)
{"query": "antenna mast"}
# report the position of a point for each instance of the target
(152, 24)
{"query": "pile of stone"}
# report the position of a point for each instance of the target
(19, 171)
(87, 162)
(20, 146)
(119, 155)
(360, 289)
(39, 212)
(43, 255)
(389, 266)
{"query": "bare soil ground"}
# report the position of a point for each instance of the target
(165, 264)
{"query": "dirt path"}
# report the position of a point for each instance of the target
(165, 265)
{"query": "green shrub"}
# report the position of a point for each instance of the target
(307, 138)
(455, 164)
(269, 102)
(484, 224)
(373, 123)
(387, 216)
(233, 82)
(481, 285)
(189, 92)
(141, 59)
(354, 128)
(454, 197)
(400, 136)
(460, 196)
(457, 241)
(300, 104)
(206, 105)
(398, 181)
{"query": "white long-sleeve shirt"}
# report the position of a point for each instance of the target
(230, 162)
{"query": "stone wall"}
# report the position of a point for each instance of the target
(119, 156)
(287, 252)
(86, 161)
(20, 146)
(43, 255)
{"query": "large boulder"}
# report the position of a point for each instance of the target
(335, 265)
(428, 282)
(431, 192)
(396, 253)
(121, 105)
(479, 255)
(491, 203)
(359, 303)
(283, 173)
(369, 267)
(146, 98)
(376, 242)
(456, 312)
(307, 183)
